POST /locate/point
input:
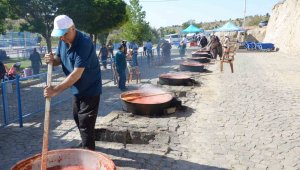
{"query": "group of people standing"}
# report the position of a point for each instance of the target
(106, 51)
(214, 44)
(163, 51)
(201, 40)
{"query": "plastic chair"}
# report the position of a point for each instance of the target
(133, 72)
(228, 56)
(250, 45)
(265, 46)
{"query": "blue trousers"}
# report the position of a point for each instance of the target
(149, 57)
(134, 59)
(104, 60)
(122, 79)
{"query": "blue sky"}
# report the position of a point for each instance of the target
(175, 12)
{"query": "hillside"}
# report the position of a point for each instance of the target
(251, 22)
(283, 29)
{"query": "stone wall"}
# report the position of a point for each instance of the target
(284, 26)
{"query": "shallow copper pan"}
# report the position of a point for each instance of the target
(144, 102)
(199, 59)
(192, 66)
(175, 79)
(66, 158)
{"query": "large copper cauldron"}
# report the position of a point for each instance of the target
(191, 66)
(176, 79)
(146, 102)
(199, 59)
(68, 159)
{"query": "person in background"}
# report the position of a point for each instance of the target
(184, 40)
(158, 51)
(12, 73)
(110, 48)
(226, 41)
(182, 49)
(203, 41)
(103, 53)
(36, 61)
(135, 49)
(3, 71)
(226, 46)
(124, 44)
(166, 51)
(215, 47)
(144, 50)
(149, 52)
(121, 66)
(76, 54)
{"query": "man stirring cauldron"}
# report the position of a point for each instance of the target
(77, 55)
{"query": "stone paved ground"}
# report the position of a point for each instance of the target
(246, 120)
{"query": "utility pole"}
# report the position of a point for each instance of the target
(244, 24)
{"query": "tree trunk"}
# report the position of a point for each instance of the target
(92, 36)
(103, 38)
(48, 41)
(95, 41)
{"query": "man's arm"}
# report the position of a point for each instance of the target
(56, 61)
(68, 82)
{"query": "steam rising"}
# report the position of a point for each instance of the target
(152, 89)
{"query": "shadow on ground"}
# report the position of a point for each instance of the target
(151, 161)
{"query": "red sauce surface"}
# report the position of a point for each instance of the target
(69, 168)
(147, 98)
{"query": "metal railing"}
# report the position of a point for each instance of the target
(23, 97)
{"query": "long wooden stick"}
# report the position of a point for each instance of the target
(46, 121)
(128, 98)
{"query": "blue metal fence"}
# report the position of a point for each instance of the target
(22, 97)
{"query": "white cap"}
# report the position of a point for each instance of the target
(61, 25)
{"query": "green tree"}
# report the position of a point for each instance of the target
(96, 17)
(38, 14)
(136, 29)
(3, 15)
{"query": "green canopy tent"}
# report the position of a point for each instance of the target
(192, 29)
(228, 27)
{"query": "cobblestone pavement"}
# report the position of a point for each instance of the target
(246, 120)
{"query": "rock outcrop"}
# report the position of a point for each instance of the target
(284, 26)
(256, 34)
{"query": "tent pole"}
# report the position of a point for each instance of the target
(244, 24)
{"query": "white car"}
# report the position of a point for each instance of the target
(173, 38)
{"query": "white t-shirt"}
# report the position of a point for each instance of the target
(184, 40)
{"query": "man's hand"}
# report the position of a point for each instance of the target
(49, 58)
(50, 91)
